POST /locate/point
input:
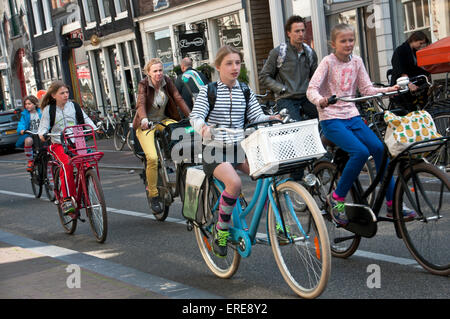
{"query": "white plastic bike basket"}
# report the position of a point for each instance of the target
(270, 147)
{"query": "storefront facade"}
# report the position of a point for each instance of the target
(380, 25)
(110, 71)
(197, 29)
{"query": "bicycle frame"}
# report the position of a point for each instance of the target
(240, 231)
(81, 162)
(403, 162)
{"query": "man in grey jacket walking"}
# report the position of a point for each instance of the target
(289, 68)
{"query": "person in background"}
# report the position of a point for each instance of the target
(190, 82)
(404, 63)
(29, 120)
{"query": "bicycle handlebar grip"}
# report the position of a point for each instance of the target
(332, 99)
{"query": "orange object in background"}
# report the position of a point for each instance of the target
(435, 58)
(40, 94)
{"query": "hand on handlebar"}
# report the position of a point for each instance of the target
(205, 132)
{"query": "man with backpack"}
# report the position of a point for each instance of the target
(190, 82)
(289, 68)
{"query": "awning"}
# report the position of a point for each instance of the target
(435, 58)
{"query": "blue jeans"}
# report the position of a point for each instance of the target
(357, 139)
(299, 109)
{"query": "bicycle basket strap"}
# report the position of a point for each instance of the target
(402, 131)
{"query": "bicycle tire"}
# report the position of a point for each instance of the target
(441, 120)
(222, 267)
(35, 179)
(165, 208)
(49, 183)
(325, 171)
(96, 212)
(130, 141)
(69, 225)
(119, 138)
(305, 263)
(426, 241)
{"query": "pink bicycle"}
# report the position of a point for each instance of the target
(80, 144)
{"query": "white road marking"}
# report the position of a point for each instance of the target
(359, 253)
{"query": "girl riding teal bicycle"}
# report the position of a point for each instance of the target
(230, 110)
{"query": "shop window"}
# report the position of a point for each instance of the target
(115, 68)
(161, 47)
(230, 31)
(49, 70)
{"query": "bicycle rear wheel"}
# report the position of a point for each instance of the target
(426, 237)
(343, 242)
(222, 267)
(303, 252)
(36, 184)
(96, 211)
(69, 224)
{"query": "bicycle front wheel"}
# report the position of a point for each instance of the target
(222, 267)
(300, 246)
(119, 137)
(96, 210)
(426, 237)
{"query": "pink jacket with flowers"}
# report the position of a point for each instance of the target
(334, 77)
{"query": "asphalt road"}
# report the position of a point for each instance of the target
(166, 250)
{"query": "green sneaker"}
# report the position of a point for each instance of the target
(219, 243)
(337, 210)
(282, 237)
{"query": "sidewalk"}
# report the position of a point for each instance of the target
(25, 274)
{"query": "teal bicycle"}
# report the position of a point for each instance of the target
(295, 229)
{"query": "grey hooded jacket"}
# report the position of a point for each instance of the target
(294, 74)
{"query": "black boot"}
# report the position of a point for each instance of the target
(156, 206)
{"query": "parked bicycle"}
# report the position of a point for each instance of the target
(171, 171)
(419, 185)
(41, 176)
(298, 237)
(89, 193)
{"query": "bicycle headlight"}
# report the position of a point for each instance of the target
(310, 179)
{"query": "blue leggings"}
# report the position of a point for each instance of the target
(357, 139)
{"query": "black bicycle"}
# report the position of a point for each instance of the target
(420, 185)
(41, 176)
(171, 171)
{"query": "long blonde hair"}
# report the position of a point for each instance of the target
(53, 88)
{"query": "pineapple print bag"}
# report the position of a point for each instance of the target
(402, 131)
